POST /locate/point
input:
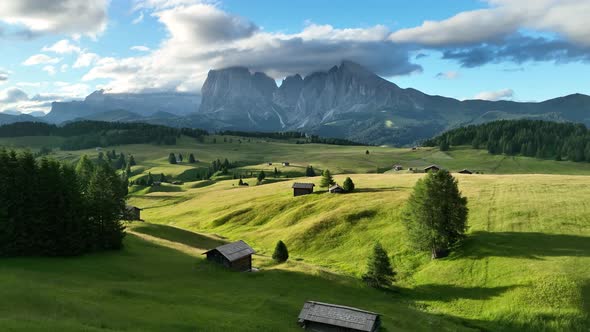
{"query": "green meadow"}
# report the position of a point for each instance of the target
(525, 265)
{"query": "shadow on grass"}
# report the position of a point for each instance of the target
(374, 190)
(174, 234)
(447, 293)
(523, 245)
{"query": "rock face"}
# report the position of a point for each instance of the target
(141, 104)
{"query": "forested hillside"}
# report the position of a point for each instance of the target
(531, 138)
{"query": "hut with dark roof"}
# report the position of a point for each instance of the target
(432, 168)
(465, 171)
(236, 256)
(300, 189)
(318, 316)
(132, 213)
(336, 189)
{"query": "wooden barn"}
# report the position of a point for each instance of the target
(236, 256)
(132, 213)
(325, 317)
(432, 168)
(465, 171)
(336, 189)
(300, 189)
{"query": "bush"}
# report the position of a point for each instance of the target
(348, 185)
(281, 254)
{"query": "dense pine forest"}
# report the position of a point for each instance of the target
(88, 134)
(52, 209)
(531, 138)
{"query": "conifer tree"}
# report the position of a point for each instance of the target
(379, 270)
(281, 254)
(132, 160)
(436, 214)
(150, 180)
(84, 170)
(261, 176)
(172, 158)
(327, 179)
(180, 158)
(348, 185)
(309, 171)
(191, 158)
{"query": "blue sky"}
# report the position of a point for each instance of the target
(488, 49)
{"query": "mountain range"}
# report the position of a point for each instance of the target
(347, 101)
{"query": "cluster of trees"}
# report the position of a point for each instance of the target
(52, 209)
(88, 134)
(174, 159)
(301, 138)
(532, 138)
(328, 180)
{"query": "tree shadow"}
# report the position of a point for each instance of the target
(174, 234)
(375, 190)
(448, 293)
(523, 245)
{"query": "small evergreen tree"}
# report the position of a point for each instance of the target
(379, 270)
(150, 180)
(241, 182)
(180, 158)
(436, 214)
(191, 159)
(132, 160)
(128, 170)
(309, 171)
(367, 152)
(172, 158)
(261, 176)
(281, 254)
(276, 172)
(327, 179)
(348, 185)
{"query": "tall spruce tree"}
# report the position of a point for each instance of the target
(436, 214)
(327, 179)
(379, 270)
(191, 159)
(309, 171)
(132, 161)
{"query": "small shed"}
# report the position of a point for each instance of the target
(286, 163)
(132, 213)
(318, 316)
(269, 164)
(236, 256)
(465, 171)
(432, 168)
(398, 167)
(300, 189)
(336, 189)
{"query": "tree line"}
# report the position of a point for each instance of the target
(531, 138)
(88, 134)
(48, 208)
(302, 138)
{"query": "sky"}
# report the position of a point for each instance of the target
(466, 49)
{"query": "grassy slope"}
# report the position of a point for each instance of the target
(155, 285)
(339, 159)
(526, 264)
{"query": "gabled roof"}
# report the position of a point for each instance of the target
(338, 315)
(336, 186)
(433, 166)
(131, 208)
(297, 185)
(465, 170)
(234, 251)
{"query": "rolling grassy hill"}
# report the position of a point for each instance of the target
(525, 265)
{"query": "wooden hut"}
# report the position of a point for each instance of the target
(398, 167)
(336, 189)
(236, 256)
(465, 171)
(132, 213)
(286, 163)
(432, 168)
(300, 189)
(318, 316)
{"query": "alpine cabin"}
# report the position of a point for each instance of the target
(236, 256)
(325, 317)
(132, 213)
(300, 189)
(336, 189)
(432, 168)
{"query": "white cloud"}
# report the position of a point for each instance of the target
(139, 19)
(29, 84)
(203, 37)
(85, 60)
(15, 99)
(50, 70)
(62, 47)
(449, 75)
(56, 16)
(40, 59)
(566, 17)
(64, 68)
(3, 76)
(495, 95)
(140, 48)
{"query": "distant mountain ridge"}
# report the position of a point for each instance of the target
(347, 101)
